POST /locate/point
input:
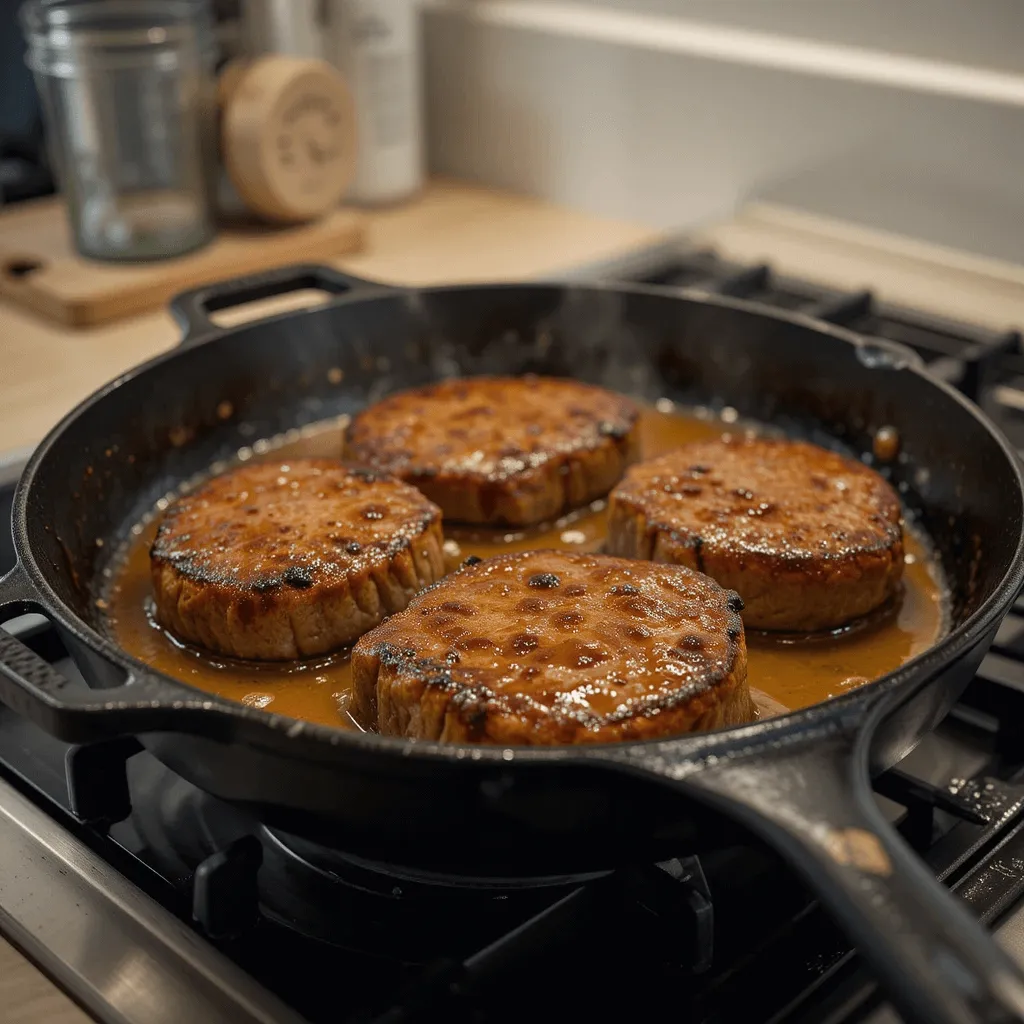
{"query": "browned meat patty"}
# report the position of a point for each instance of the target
(553, 647)
(810, 540)
(277, 561)
(502, 450)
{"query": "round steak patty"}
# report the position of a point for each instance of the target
(810, 540)
(500, 450)
(555, 647)
(283, 560)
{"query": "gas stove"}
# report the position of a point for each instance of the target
(148, 900)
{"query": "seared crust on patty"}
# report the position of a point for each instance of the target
(810, 539)
(276, 561)
(553, 647)
(508, 450)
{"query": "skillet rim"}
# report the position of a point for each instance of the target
(856, 703)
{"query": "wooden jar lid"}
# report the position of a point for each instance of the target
(288, 138)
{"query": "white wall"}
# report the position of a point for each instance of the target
(671, 128)
(984, 33)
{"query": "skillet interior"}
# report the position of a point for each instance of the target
(172, 419)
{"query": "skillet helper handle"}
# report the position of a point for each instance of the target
(191, 310)
(811, 801)
(31, 687)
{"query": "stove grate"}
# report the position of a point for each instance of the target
(971, 358)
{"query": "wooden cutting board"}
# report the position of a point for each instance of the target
(40, 270)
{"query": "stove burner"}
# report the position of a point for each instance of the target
(242, 869)
(400, 880)
(353, 902)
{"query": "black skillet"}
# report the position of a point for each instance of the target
(801, 782)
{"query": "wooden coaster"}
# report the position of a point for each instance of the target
(287, 136)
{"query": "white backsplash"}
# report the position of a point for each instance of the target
(543, 99)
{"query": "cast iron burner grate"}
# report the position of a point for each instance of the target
(341, 939)
(969, 357)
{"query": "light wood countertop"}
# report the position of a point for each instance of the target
(27, 996)
(451, 233)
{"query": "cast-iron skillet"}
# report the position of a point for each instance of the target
(801, 782)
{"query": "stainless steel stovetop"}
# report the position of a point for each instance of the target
(149, 902)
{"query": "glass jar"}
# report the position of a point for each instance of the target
(127, 90)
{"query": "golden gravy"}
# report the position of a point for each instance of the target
(794, 671)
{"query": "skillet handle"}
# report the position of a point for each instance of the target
(191, 309)
(811, 801)
(34, 689)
